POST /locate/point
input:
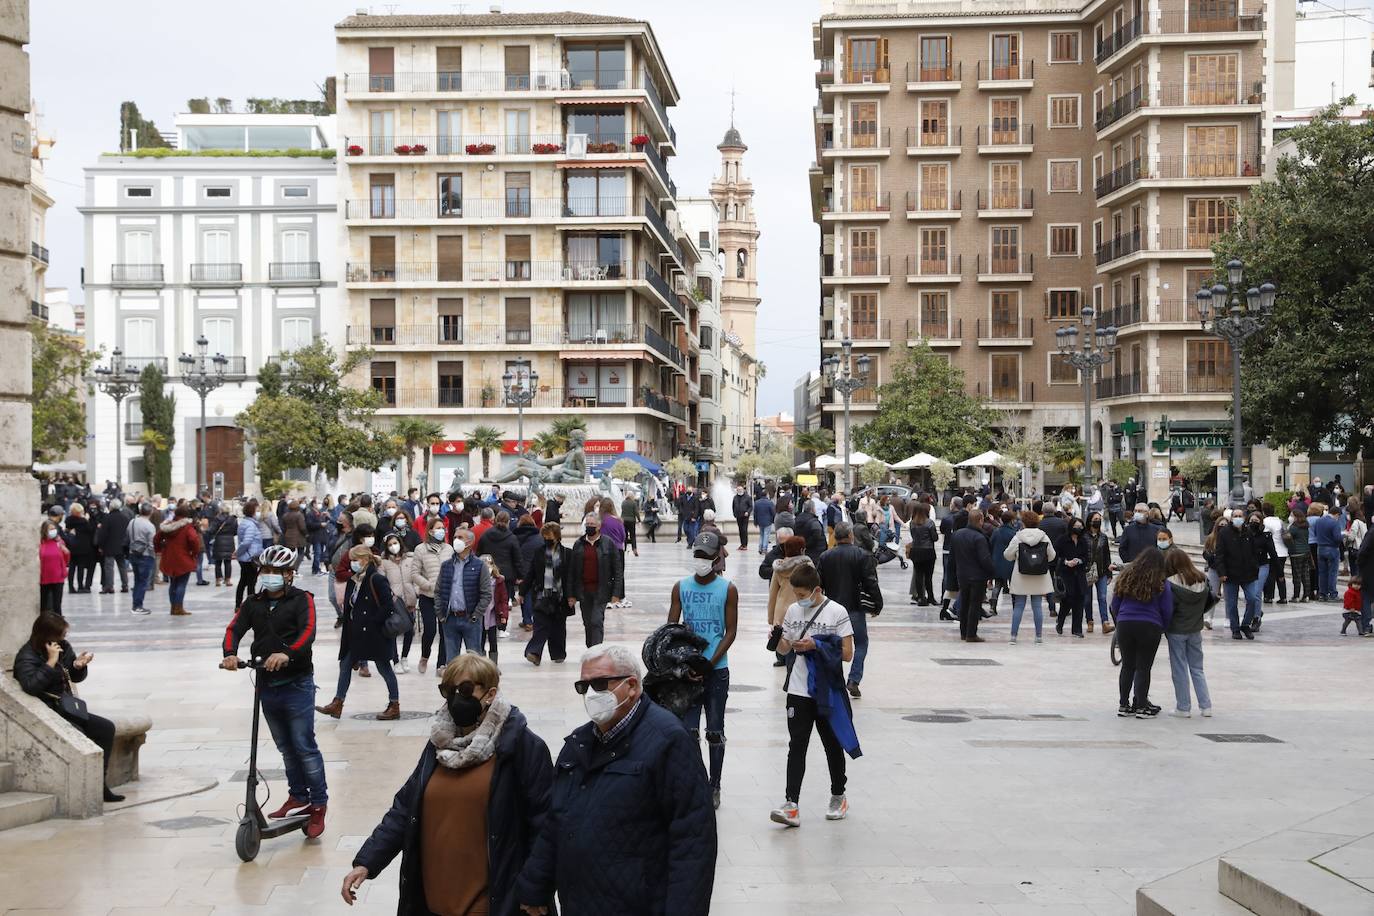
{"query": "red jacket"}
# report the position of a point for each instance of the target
(179, 543)
(1352, 600)
(53, 558)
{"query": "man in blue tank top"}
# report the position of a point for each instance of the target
(708, 603)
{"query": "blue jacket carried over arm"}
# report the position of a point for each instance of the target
(825, 679)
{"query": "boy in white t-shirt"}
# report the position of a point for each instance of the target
(811, 615)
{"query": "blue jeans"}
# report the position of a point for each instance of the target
(1102, 603)
(1252, 603)
(289, 710)
(690, 529)
(1185, 662)
(765, 535)
(1263, 578)
(527, 608)
(459, 632)
(1366, 608)
(859, 621)
(1328, 563)
(176, 591)
(143, 576)
(383, 668)
(713, 698)
(1018, 607)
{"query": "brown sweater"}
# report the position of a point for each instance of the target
(453, 840)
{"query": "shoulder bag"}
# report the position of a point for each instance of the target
(398, 620)
(69, 704)
(792, 656)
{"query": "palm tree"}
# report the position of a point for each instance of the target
(562, 428)
(416, 433)
(814, 442)
(544, 444)
(483, 439)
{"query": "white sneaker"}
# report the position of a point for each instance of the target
(838, 808)
(1012, 641)
(402, 667)
(140, 611)
(627, 603)
(503, 634)
(787, 814)
(1038, 640)
(1181, 713)
(1206, 712)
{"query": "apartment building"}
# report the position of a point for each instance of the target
(706, 382)
(238, 249)
(984, 171)
(507, 210)
(40, 201)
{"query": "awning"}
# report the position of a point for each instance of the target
(621, 355)
(595, 100)
(918, 460)
(600, 466)
(985, 460)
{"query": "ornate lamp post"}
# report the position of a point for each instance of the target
(846, 376)
(1233, 313)
(1093, 354)
(203, 374)
(520, 382)
(119, 380)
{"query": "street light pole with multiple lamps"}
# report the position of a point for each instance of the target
(840, 371)
(1095, 352)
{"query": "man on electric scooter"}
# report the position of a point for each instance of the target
(282, 618)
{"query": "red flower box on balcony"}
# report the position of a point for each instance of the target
(402, 150)
(640, 140)
(480, 149)
(545, 148)
(355, 150)
(419, 149)
(603, 147)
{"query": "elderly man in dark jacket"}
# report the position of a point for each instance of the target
(971, 557)
(1236, 564)
(631, 830)
(809, 527)
(598, 577)
(849, 574)
(1139, 534)
(112, 539)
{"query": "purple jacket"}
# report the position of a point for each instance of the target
(1159, 611)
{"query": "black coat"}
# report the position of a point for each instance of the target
(849, 573)
(220, 536)
(1136, 537)
(553, 511)
(531, 542)
(35, 678)
(1365, 557)
(113, 536)
(1236, 552)
(80, 536)
(563, 579)
(517, 806)
(610, 573)
(1262, 542)
(1054, 528)
(630, 830)
(503, 547)
(365, 611)
(1075, 578)
(810, 528)
(972, 555)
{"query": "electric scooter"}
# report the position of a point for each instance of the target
(253, 826)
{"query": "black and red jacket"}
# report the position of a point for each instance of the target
(285, 625)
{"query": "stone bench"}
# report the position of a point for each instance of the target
(130, 733)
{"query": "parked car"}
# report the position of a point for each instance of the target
(890, 490)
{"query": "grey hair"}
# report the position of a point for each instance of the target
(1142, 507)
(956, 504)
(709, 515)
(488, 513)
(592, 518)
(843, 531)
(625, 661)
(781, 534)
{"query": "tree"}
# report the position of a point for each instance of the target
(1195, 467)
(627, 469)
(680, 468)
(873, 472)
(941, 474)
(544, 444)
(562, 429)
(146, 134)
(1122, 471)
(484, 439)
(1065, 455)
(924, 407)
(415, 433)
(57, 396)
(1309, 231)
(159, 417)
(305, 416)
(773, 460)
(198, 106)
(813, 442)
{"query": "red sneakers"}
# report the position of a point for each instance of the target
(292, 805)
(315, 826)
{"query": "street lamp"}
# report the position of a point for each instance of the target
(1094, 353)
(119, 379)
(197, 375)
(846, 376)
(1234, 314)
(520, 382)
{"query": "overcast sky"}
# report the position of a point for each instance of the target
(90, 56)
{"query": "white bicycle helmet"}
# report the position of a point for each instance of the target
(278, 556)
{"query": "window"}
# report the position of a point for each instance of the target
(382, 257)
(1006, 122)
(863, 253)
(1209, 365)
(866, 60)
(596, 317)
(1209, 218)
(708, 338)
(934, 177)
(863, 316)
(742, 264)
(450, 195)
(1005, 369)
(1062, 372)
(1212, 151)
(1006, 249)
(449, 139)
(517, 194)
(1064, 240)
(384, 381)
(1062, 303)
(1005, 185)
(138, 191)
(518, 320)
(220, 334)
(518, 125)
(863, 188)
(1006, 57)
(935, 314)
(216, 246)
(138, 246)
(517, 67)
(1064, 48)
(382, 319)
(449, 249)
(382, 133)
(1064, 111)
(296, 334)
(382, 196)
(448, 68)
(935, 122)
(381, 69)
(295, 246)
(450, 373)
(934, 251)
(704, 240)
(601, 125)
(596, 193)
(863, 125)
(450, 313)
(595, 256)
(595, 66)
(1064, 176)
(1006, 313)
(140, 338)
(708, 386)
(935, 59)
(1213, 79)
(220, 191)
(518, 265)
(295, 190)
(706, 288)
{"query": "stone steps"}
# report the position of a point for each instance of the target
(18, 809)
(1281, 887)
(1191, 892)
(6, 776)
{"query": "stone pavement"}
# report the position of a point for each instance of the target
(996, 779)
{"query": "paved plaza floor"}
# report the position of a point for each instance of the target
(996, 779)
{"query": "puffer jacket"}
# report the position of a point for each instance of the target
(1190, 605)
(179, 543)
(780, 595)
(428, 559)
(399, 576)
(250, 541)
(630, 829)
(1022, 584)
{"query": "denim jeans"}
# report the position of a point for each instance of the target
(1366, 608)
(289, 710)
(176, 591)
(1185, 662)
(690, 529)
(108, 565)
(1252, 603)
(713, 699)
(383, 668)
(1018, 607)
(1328, 563)
(460, 632)
(1102, 604)
(1263, 578)
(527, 608)
(859, 621)
(143, 575)
(765, 535)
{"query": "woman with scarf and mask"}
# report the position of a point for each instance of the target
(549, 582)
(465, 821)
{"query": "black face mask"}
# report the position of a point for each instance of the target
(548, 543)
(465, 710)
(1078, 531)
(592, 532)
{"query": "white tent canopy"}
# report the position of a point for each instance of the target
(859, 459)
(825, 462)
(985, 460)
(918, 460)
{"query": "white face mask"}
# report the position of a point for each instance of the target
(702, 565)
(1140, 516)
(393, 548)
(437, 534)
(601, 707)
(368, 542)
(52, 534)
(399, 523)
(356, 566)
(1237, 522)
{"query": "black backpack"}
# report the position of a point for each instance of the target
(1033, 559)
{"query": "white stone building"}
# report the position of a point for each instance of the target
(239, 249)
(701, 220)
(40, 201)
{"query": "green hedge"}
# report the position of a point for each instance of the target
(163, 152)
(1279, 500)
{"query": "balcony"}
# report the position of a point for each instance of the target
(825, 70)
(946, 333)
(133, 433)
(1118, 178)
(862, 397)
(1006, 269)
(1221, 95)
(856, 270)
(1116, 41)
(1207, 170)
(1116, 386)
(1120, 246)
(451, 397)
(1241, 22)
(1003, 203)
(38, 310)
(1191, 381)
(934, 205)
(1114, 111)
(659, 344)
(208, 274)
(1004, 74)
(860, 208)
(1006, 332)
(38, 252)
(1123, 316)
(875, 332)
(949, 269)
(1004, 137)
(1007, 393)
(135, 276)
(863, 79)
(946, 142)
(476, 82)
(665, 235)
(293, 273)
(455, 333)
(876, 143)
(940, 78)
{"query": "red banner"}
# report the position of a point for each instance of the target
(593, 447)
(449, 447)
